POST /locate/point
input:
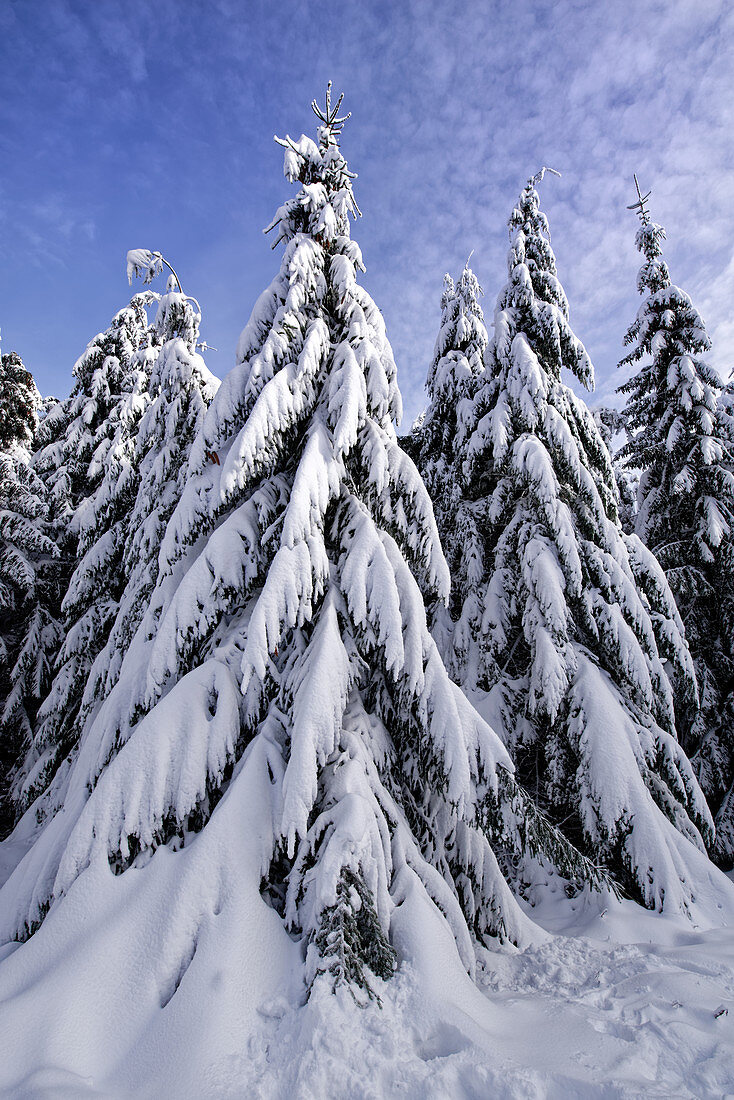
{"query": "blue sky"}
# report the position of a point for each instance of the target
(150, 125)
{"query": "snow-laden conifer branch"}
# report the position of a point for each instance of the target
(141, 261)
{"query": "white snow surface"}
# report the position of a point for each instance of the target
(141, 988)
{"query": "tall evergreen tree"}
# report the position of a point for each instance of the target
(19, 403)
(715, 757)
(686, 497)
(28, 575)
(458, 361)
(89, 461)
(285, 655)
(572, 620)
(181, 389)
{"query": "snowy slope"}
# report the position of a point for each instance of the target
(607, 1003)
(625, 1007)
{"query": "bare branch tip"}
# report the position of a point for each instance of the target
(329, 115)
(640, 207)
(537, 178)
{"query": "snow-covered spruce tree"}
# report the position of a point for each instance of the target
(686, 497)
(19, 403)
(716, 755)
(458, 360)
(89, 463)
(285, 658)
(28, 631)
(181, 388)
(572, 621)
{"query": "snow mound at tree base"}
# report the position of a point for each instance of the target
(575, 1016)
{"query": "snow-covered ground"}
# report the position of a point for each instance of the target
(575, 1017)
(142, 986)
(612, 1002)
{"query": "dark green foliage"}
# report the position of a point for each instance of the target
(352, 947)
(19, 402)
(29, 597)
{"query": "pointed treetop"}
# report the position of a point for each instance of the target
(639, 207)
(449, 290)
(468, 278)
(330, 115)
(528, 204)
(654, 274)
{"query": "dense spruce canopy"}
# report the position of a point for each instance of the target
(332, 763)
(571, 621)
(87, 459)
(611, 425)
(717, 748)
(680, 444)
(180, 390)
(29, 575)
(29, 632)
(19, 403)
